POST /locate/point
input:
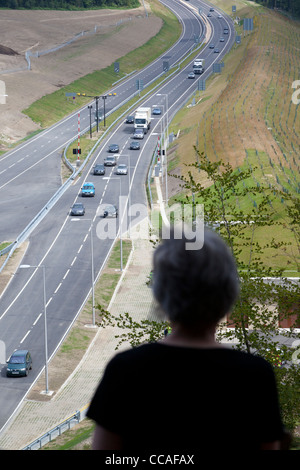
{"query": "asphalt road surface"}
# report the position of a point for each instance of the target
(61, 244)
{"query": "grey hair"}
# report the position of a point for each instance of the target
(195, 287)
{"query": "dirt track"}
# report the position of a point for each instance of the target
(22, 31)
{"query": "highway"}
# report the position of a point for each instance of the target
(61, 243)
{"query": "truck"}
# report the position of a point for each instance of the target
(198, 63)
(198, 70)
(142, 119)
(198, 66)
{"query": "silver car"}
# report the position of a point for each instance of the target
(110, 161)
(110, 211)
(121, 169)
(138, 134)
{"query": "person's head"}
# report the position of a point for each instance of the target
(195, 288)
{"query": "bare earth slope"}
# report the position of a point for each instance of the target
(118, 32)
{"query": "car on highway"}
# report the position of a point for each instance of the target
(113, 148)
(110, 211)
(121, 169)
(211, 46)
(110, 161)
(88, 189)
(209, 15)
(129, 119)
(156, 111)
(19, 364)
(211, 9)
(216, 51)
(222, 39)
(138, 134)
(77, 209)
(191, 75)
(134, 145)
(99, 169)
(225, 30)
(220, 16)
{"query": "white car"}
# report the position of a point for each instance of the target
(121, 169)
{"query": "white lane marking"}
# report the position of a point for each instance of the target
(58, 287)
(37, 319)
(25, 337)
(66, 274)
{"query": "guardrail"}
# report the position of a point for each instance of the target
(57, 430)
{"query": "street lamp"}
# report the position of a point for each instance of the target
(26, 266)
(93, 274)
(166, 164)
(120, 224)
(90, 107)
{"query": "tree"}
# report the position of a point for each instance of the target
(254, 323)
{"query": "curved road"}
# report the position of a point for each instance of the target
(61, 243)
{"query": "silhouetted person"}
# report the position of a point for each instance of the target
(217, 397)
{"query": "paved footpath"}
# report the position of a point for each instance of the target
(35, 418)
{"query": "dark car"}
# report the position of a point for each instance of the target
(225, 31)
(216, 51)
(130, 120)
(19, 363)
(114, 148)
(211, 46)
(77, 209)
(110, 161)
(134, 145)
(99, 169)
(110, 211)
(156, 111)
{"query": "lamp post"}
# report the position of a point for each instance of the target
(26, 266)
(93, 274)
(120, 224)
(166, 164)
(90, 107)
(104, 99)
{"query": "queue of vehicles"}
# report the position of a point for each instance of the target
(20, 362)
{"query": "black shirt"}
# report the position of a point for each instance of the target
(159, 396)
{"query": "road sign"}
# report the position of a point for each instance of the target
(217, 68)
(201, 85)
(248, 24)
